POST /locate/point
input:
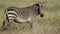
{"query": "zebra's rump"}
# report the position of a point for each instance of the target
(11, 14)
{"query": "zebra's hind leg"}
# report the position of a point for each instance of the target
(3, 23)
(9, 24)
(3, 26)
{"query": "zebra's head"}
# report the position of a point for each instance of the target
(40, 9)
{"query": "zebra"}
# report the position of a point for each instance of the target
(26, 14)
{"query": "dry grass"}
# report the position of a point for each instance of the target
(49, 24)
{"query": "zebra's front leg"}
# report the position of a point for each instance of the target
(31, 23)
(30, 20)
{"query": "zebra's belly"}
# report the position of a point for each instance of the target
(22, 20)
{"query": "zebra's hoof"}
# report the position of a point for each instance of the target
(3, 29)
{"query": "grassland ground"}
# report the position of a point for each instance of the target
(49, 24)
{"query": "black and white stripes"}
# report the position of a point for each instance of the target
(12, 15)
(26, 14)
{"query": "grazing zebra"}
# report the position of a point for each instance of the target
(26, 14)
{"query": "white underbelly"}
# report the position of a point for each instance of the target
(23, 20)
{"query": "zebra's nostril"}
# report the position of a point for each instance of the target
(41, 15)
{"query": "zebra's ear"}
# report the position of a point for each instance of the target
(41, 2)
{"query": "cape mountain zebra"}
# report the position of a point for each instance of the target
(26, 14)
